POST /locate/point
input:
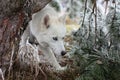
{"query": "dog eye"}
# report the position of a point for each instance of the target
(48, 26)
(63, 38)
(55, 38)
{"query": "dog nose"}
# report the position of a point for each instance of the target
(63, 53)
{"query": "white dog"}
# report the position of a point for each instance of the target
(49, 30)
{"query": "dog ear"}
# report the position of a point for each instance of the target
(46, 21)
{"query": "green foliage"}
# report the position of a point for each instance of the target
(55, 5)
(96, 67)
(98, 54)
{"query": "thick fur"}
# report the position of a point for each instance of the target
(44, 26)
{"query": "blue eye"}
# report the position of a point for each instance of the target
(55, 38)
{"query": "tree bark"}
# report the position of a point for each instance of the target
(14, 16)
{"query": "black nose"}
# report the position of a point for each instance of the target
(63, 53)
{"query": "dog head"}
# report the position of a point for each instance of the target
(53, 34)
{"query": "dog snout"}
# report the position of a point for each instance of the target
(63, 53)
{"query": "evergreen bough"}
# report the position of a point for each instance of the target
(98, 54)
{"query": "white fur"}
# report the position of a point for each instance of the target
(45, 35)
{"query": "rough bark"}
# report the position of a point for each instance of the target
(14, 16)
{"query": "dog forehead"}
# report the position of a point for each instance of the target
(61, 31)
(57, 30)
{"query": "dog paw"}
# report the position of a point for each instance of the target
(61, 68)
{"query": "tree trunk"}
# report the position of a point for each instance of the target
(14, 16)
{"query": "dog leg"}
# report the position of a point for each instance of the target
(25, 36)
(52, 59)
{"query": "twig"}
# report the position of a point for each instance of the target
(84, 13)
(112, 25)
(43, 73)
(94, 6)
(106, 5)
(1, 74)
(89, 24)
(95, 21)
(11, 61)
